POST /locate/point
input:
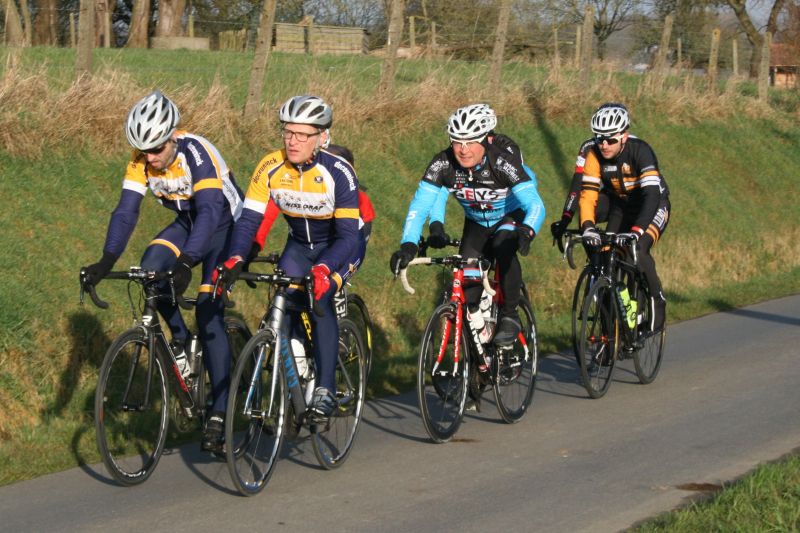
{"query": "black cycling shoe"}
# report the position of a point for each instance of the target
(214, 433)
(507, 330)
(323, 403)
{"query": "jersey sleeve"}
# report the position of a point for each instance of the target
(126, 214)
(255, 205)
(270, 216)
(650, 183)
(209, 200)
(590, 189)
(439, 207)
(571, 203)
(365, 208)
(419, 210)
(345, 219)
(528, 197)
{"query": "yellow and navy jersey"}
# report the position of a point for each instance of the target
(197, 185)
(633, 177)
(319, 201)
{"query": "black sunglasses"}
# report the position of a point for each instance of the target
(609, 140)
(157, 150)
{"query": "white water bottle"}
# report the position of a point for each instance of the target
(478, 324)
(300, 358)
(179, 349)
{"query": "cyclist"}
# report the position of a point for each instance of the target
(366, 216)
(627, 168)
(502, 208)
(558, 227)
(317, 192)
(187, 174)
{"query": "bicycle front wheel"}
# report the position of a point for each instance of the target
(598, 341)
(649, 343)
(357, 312)
(255, 419)
(441, 380)
(516, 368)
(131, 408)
(582, 287)
(333, 440)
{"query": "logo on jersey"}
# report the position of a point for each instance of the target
(351, 180)
(198, 160)
(626, 169)
(480, 195)
(508, 169)
(610, 168)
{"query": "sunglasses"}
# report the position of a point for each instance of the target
(466, 143)
(609, 140)
(157, 150)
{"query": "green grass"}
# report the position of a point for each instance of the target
(767, 499)
(733, 238)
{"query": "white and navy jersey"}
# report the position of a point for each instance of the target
(498, 186)
(197, 185)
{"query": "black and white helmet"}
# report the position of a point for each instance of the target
(610, 120)
(471, 122)
(306, 109)
(151, 121)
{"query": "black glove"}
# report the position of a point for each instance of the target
(558, 228)
(437, 238)
(401, 258)
(93, 274)
(230, 272)
(182, 274)
(590, 235)
(525, 235)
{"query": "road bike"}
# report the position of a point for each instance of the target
(132, 405)
(272, 395)
(456, 360)
(613, 313)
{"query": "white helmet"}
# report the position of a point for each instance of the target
(152, 121)
(610, 120)
(310, 110)
(471, 122)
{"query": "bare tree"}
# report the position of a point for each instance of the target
(500, 42)
(390, 59)
(140, 24)
(753, 35)
(13, 25)
(263, 45)
(610, 16)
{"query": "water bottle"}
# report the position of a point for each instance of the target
(299, 351)
(196, 354)
(478, 324)
(486, 305)
(181, 360)
(630, 307)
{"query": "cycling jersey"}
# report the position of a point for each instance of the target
(197, 185)
(633, 177)
(318, 199)
(498, 186)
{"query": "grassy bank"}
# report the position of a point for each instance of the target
(733, 238)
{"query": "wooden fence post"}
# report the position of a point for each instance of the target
(586, 46)
(412, 38)
(495, 71)
(433, 36)
(556, 56)
(712, 61)
(83, 61)
(390, 59)
(576, 63)
(735, 53)
(763, 69)
(680, 53)
(263, 45)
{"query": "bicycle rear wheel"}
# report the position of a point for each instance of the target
(357, 312)
(516, 368)
(441, 381)
(131, 408)
(650, 344)
(255, 419)
(333, 441)
(582, 287)
(598, 341)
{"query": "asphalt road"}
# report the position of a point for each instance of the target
(726, 399)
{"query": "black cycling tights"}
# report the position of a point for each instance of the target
(500, 243)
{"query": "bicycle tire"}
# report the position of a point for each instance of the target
(578, 297)
(254, 432)
(442, 396)
(130, 435)
(358, 312)
(333, 440)
(650, 345)
(598, 342)
(515, 370)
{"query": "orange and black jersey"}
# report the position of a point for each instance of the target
(633, 177)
